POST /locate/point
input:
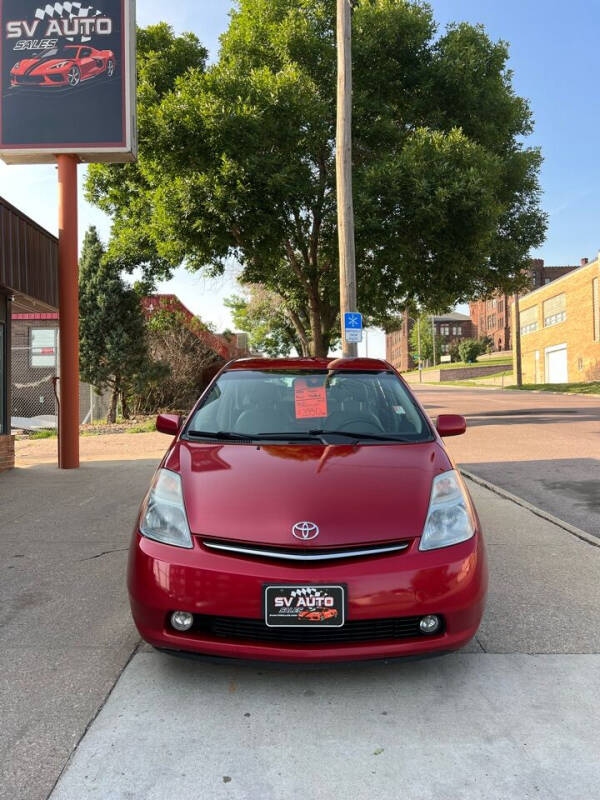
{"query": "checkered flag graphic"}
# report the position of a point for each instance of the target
(306, 591)
(68, 10)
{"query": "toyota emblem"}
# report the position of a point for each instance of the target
(305, 531)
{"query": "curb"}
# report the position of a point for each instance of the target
(577, 532)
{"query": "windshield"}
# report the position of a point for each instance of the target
(65, 51)
(254, 403)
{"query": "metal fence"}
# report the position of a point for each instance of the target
(34, 382)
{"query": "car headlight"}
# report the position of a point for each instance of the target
(59, 65)
(16, 66)
(449, 519)
(165, 519)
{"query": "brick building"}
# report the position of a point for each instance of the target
(493, 317)
(452, 327)
(560, 328)
(28, 284)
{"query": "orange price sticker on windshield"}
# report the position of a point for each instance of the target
(311, 401)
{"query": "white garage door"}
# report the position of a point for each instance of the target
(556, 364)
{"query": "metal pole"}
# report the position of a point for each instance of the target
(517, 341)
(419, 349)
(68, 300)
(343, 160)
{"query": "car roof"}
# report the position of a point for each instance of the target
(350, 364)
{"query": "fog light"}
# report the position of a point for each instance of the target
(430, 624)
(182, 620)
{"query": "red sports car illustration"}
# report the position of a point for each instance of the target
(67, 65)
(318, 615)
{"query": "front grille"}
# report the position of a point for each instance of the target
(255, 630)
(304, 554)
(30, 78)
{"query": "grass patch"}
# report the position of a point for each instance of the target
(494, 362)
(593, 387)
(43, 434)
(145, 427)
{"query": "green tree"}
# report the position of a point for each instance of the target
(239, 161)
(112, 341)
(263, 315)
(470, 349)
(424, 323)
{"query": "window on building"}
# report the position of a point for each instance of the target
(445, 347)
(596, 305)
(529, 320)
(456, 330)
(555, 310)
(501, 307)
(42, 352)
(445, 330)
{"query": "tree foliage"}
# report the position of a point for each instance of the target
(422, 328)
(261, 314)
(181, 365)
(112, 341)
(470, 349)
(238, 160)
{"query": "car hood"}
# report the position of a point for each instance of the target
(354, 494)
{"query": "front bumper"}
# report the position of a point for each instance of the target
(451, 582)
(58, 79)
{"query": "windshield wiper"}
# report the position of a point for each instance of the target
(292, 435)
(388, 437)
(219, 435)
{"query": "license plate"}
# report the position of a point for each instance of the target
(305, 606)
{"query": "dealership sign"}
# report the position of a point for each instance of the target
(68, 80)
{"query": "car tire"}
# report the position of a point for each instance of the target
(74, 76)
(110, 68)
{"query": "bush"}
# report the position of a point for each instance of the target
(453, 351)
(469, 349)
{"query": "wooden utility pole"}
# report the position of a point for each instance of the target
(517, 341)
(344, 169)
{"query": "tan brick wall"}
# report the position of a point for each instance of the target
(7, 452)
(577, 331)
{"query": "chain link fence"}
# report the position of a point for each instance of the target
(34, 383)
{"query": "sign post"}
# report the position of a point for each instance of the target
(68, 300)
(67, 95)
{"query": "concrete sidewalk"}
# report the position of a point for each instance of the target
(512, 716)
(65, 629)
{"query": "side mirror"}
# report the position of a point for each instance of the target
(168, 423)
(451, 425)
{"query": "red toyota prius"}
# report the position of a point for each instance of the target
(307, 511)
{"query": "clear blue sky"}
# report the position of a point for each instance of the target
(554, 56)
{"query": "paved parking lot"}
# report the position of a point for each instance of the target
(510, 716)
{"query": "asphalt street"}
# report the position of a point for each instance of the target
(542, 447)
